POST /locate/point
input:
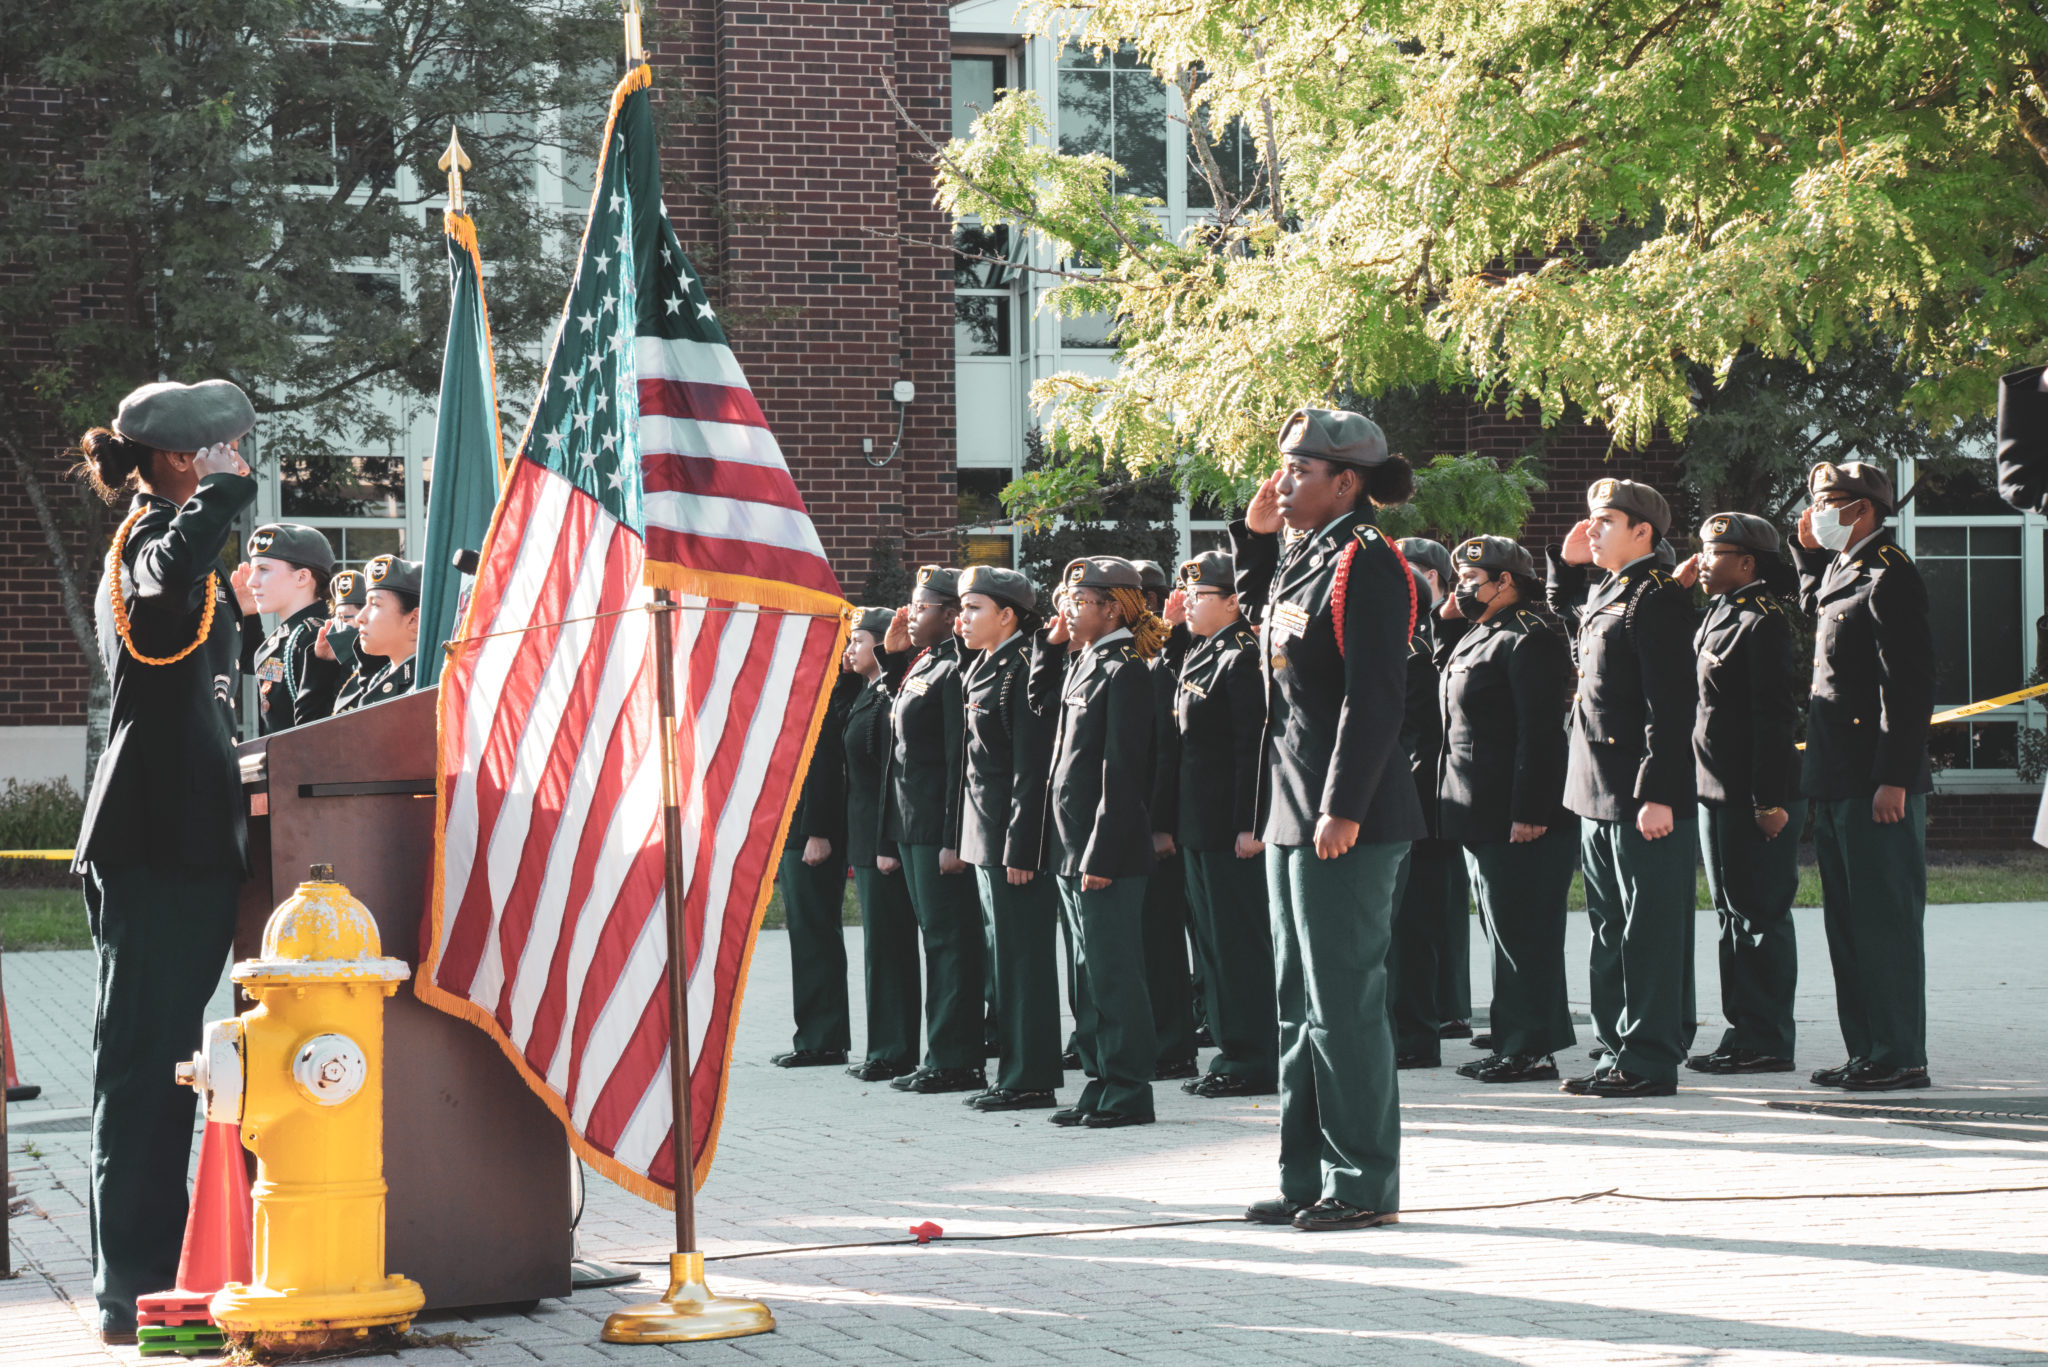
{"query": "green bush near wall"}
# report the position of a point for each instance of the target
(40, 816)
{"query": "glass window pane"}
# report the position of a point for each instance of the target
(341, 486)
(1085, 113)
(1995, 540)
(1948, 608)
(1968, 491)
(1994, 745)
(981, 325)
(973, 248)
(1942, 541)
(359, 544)
(1088, 330)
(976, 83)
(988, 550)
(1237, 159)
(1200, 541)
(1995, 642)
(981, 495)
(1141, 133)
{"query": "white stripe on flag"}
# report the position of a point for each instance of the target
(729, 519)
(691, 362)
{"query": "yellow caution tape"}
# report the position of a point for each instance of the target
(64, 855)
(1973, 709)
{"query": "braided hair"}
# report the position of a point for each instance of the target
(1148, 632)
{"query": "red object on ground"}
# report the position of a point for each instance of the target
(16, 1091)
(217, 1230)
(926, 1232)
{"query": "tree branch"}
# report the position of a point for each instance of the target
(1514, 178)
(83, 629)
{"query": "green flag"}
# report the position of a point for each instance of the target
(466, 450)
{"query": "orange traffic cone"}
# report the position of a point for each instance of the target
(16, 1090)
(217, 1240)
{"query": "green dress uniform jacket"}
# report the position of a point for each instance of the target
(867, 740)
(294, 685)
(925, 753)
(358, 668)
(813, 894)
(1098, 811)
(1873, 670)
(1505, 689)
(1748, 682)
(393, 680)
(1006, 757)
(889, 933)
(1211, 787)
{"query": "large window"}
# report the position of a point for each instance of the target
(1112, 103)
(978, 79)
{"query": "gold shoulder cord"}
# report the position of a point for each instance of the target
(114, 596)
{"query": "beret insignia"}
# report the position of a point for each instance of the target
(1718, 527)
(261, 541)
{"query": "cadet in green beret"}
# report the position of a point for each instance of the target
(163, 847)
(1002, 814)
(1630, 776)
(287, 575)
(1866, 771)
(390, 626)
(923, 819)
(1506, 687)
(1337, 806)
(1751, 814)
(812, 879)
(340, 640)
(1211, 785)
(1168, 979)
(889, 935)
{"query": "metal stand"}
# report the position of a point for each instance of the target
(688, 1312)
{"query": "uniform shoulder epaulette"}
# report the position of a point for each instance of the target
(1527, 620)
(1367, 534)
(1892, 555)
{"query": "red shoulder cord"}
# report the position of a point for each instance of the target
(1343, 587)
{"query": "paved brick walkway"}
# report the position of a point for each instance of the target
(813, 1157)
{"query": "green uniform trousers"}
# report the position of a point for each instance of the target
(1639, 895)
(162, 934)
(1454, 964)
(889, 947)
(1113, 1013)
(949, 915)
(1873, 883)
(812, 895)
(1340, 1105)
(1523, 891)
(1234, 946)
(1753, 882)
(1422, 896)
(1167, 980)
(1022, 928)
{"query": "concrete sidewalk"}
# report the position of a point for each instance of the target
(1870, 1274)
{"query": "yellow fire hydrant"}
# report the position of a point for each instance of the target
(303, 1075)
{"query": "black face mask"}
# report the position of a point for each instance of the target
(1467, 599)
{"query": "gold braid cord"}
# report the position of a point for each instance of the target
(114, 598)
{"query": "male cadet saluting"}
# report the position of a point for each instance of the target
(1866, 771)
(1337, 807)
(1630, 776)
(1751, 815)
(287, 574)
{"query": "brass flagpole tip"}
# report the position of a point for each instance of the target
(689, 1313)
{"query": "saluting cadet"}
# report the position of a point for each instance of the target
(1630, 776)
(1336, 808)
(340, 640)
(923, 819)
(1505, 689)
(1168, 979)
(287, 575)
(1212, 781)
(1866, 771)
(889, 934)
(162, 849)
(1099, 835)
(1002, 813)
(390, 626)
(812, 879)
(1424, 883)
(1452, 948)
(1751, 813)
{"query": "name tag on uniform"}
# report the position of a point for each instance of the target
(1198, 692)
(271, 670)
(1291, 617)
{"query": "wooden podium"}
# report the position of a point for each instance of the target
(478, 1169)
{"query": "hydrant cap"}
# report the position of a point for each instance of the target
(321, 931)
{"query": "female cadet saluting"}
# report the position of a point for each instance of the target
(1500, 793)
(340, 639)
(163, 845)
(812, 879)
(1002, 813)
(287, 575)
(1100, 836)
(888, 925)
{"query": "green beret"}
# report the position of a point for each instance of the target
(939, 581)
(1494, 554)
(1211, 570)
(1008, 587)
(875, 622)
(1743, 531)
(1666, 553)
(1152, 575)
(348, 588)
(185, 417)
(398, 576)
(1639, 501)
(1859, 479)
(1103, 572)
(294, 544)
(1425, 554)
(1334, 434)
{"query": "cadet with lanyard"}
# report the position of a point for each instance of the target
(1008, 754)
(812, 879)
(1751, 814)
(1506, 685)
(287, 575)
(390, 626)
(923, 820)
(1337, 807)
(1866, 771)
(340, 639)
(1212, 782)
(1168, 979)
(888, 924)
(162, 848)
(1630, 776)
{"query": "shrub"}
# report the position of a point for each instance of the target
(40, 816)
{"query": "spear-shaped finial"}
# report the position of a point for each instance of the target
(636, 53)
(454, 161)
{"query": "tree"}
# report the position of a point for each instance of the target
(1586, 206)
(1105, 511)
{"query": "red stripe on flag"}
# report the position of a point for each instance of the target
(701, 401)
(665, 472)
(723, 555)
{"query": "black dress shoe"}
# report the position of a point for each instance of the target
(1071, 1059)
(1330, 1214)
(1871, 1078)
(1517, 1068)
(1615, 1083)
(1005, 1099)
(1454, 1030)
(1837, 1075)
(1072, 1115)
(875, 1070)
(1417, 1061)
(1274, 1210)
(931, 1081)
(1477, 1066)
(1739, 1061)
(904, 1082)
(1578, 1086)
(1113, 1120)
(1228, 1084)
(1167, 1072)
(1484, 1041)
(809, 1058)
(1203, 1039)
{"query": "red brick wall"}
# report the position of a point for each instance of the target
(1982, 821)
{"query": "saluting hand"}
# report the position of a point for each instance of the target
(1056, 630)
(896, 639)
(244, 599)
(817, 849)
(1175, 610)
(320, 646)
(223, 459)
(1263, 513)
(1578, 544)
(1688, 573)
(1806, 536)
(1335, 836)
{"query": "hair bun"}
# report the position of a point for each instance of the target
(110, 461)
(1391, 481)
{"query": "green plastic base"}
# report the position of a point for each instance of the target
(183, 1338)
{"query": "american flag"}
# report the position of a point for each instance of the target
(646, 465)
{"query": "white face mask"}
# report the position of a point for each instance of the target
(1831, 529)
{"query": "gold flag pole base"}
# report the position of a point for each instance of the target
(689, 1313)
